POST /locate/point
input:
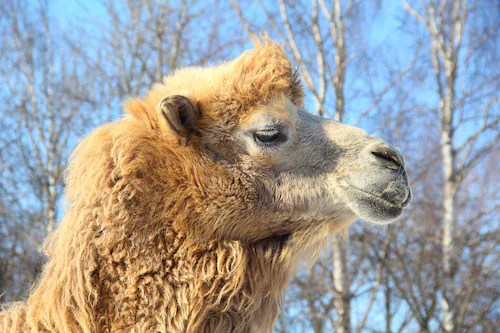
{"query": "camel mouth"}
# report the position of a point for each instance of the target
(385, 200)
(378, 208)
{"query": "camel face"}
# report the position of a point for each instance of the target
(324, 170)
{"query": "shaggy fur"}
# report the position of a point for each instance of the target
(164, 233)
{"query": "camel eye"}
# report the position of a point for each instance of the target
(269, 136)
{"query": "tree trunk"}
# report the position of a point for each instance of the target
(448, 302)
(342, 287)
(340, 269)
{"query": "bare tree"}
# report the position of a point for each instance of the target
(141, 41)
(60, 83)
(447, 24)
(40, 117)
(39, 110)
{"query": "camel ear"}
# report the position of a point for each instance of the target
(179, 115)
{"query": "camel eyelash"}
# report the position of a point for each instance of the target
(269, 136)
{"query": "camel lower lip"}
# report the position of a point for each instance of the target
(379, 198)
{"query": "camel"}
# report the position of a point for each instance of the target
(191, 213)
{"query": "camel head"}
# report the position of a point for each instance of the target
(276, 168)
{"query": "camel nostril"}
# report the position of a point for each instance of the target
(388, 157)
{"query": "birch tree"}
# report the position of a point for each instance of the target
(452, 52)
